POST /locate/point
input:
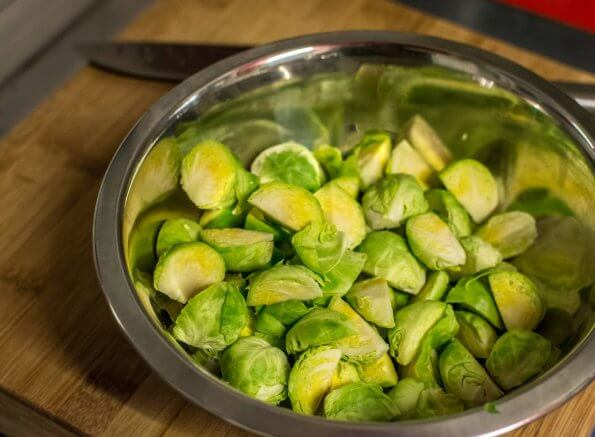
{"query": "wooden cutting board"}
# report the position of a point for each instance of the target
(65, 368)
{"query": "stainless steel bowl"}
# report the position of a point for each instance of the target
(302, 57)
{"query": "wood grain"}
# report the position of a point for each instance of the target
(60, 349)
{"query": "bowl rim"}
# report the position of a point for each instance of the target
(559, 384)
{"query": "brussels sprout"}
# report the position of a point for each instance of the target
(381, 372)
(432, 241)
(238, 280)
(406, 395)
(392, 200)
(281, 283)
(398, 299)
(203, 360)
(246, 184)
(517, 299)
(320, 246)
(474, 187)
(472, 294)
(291, 163)
(475, 334)
(209, 175)
(255, 221)
(389, 258)
(510, 232)
(424, 366)
(451, 211)
(343, 211)
(539, 202)
(242, 250)
(411, 325)
(552, 359)
(287, 312)
(345, 373)
(359, 402)
(371, 299)
(330, 158)
(291, 206)
(349, 184)
(220, 218)
(310, 378)
(319, 327)
(366, 345)
(436, 402)
(256, 368)
(463, 376)
(340, 279)
(186, 269)
(213, 319)
(556, 326)
(372, 153)
(176, 231)
(404, 159)
(434, 288)
(479, 255)
(268, 324)
(516, 357)
(426, 142)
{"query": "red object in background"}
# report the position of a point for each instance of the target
(576, 13)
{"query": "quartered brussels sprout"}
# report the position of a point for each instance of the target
(435, 287)
(320, 246)
(343, 211)
(406, 395)
(433, 242)
(388, 257)
(463, 376)
(405, 159)
(209, 175)
(281, 283)
(381, 372)
(426, 142)
(220, 218)
(517, 356)
(371, 154)
(510, 232)
(340, 278)
(176, 231)
(476, 334)
(366, 345)
(451, 211)
(371, 299)
(345, 373)
(436, 402)
(479, 255)
(310, 378)
(392, 200)
(474, 187)
(330, 158)
(242, 250)
(517, 300)
(291, 163)
(289, 205)
(256, 368)
(319, 327)
(213, 319)
(360, 402)
(186, 269)
(472, 294)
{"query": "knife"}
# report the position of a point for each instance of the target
(175, 62)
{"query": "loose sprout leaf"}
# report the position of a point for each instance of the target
(405, 159)
(476, 334)
(360, 402)
(472, 294)
(490, 407)
(381, 372)
(511, 233)
(451, 211)
(176, 231)
(281, 283)
(242, 250)
(372, 155)
(435, 287)
(426, 142)
(320, 246)
(371, 299)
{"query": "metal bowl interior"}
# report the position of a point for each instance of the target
(294, 60)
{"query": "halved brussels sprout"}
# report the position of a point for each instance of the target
(319, 327)
(186, 269)
(425, 141)
(372, 153)
(517, 300)
(472, 294)
(242, 250)
(510, 232)
(310, 378)
(330, 158)
(433, 242)
(213, 319)
(343, 211)
(281, 283)
(388, 257)
(176, 231)
(411, 325)
(463, 376)
(340, 279)
(256, 368)
(436, 402)
(381, 372)
(209, 175)
(404, 159)
(371, 299)
(434, 288)
(479, 255)
(320, 246)
(451, 211)
(366, 345)
(289, 205)
(474, 187)
(476, 334)
(345, 373)
(516, 357)
(406, 395)
(359, 402)
(392, 200)
(291, 163)
(220, 218)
